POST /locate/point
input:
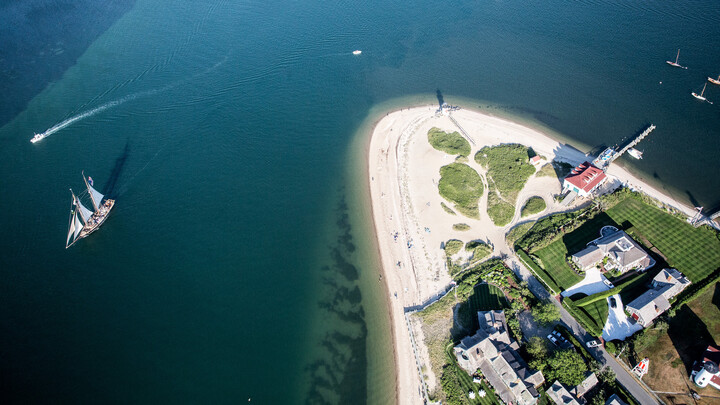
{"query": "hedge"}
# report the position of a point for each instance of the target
(538, 272)
(583, 319)
(615, 290)
(694, 290)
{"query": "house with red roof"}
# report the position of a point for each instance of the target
(584, 179)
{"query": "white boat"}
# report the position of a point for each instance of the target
(38, 137)
(83, 222)
(714, 81)
(357, 52)
(700, 96)
(676, 64)
(635, 153)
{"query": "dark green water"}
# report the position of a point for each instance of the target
(239, 261)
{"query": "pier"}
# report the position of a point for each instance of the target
(610, 154)
(465, 134)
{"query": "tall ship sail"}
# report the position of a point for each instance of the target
(83, 221)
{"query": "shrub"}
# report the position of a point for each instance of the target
(461, 184)
(508, 166)
(451, 143)
(447, 209)
(461, 227)
(533, 206)
(453, 246)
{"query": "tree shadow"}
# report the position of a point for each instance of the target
(111, 184)
(689, 336)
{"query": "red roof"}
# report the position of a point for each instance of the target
(586, 177)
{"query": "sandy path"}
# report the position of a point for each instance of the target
(404, 173)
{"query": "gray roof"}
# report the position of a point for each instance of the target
(588, 256)
(649, 305)
(614, 400)
(670, 282)
(560, 395)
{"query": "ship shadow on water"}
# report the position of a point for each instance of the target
(111, 185)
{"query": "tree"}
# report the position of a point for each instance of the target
(538, 351)
(567, 366)
(546, 313)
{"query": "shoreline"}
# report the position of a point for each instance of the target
(411, 279)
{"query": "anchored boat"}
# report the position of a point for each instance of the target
(676, 64)
(83, 222)
(700, 96)
(357, 52)
(714, 81)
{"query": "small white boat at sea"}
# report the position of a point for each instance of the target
(676, 64)
(83, 222)
(357, 52)
(714, 81)
(701, 95)
(38, 137)
(635, 153)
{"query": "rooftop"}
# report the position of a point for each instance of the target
(585, 177)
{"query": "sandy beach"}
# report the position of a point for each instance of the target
(411, 225)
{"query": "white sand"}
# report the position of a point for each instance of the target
(404, 171)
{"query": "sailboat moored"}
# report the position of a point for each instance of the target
(676, 64)
(83, 222)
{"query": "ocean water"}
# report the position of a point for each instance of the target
(239, 262)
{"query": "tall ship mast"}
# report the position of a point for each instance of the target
(83, 221)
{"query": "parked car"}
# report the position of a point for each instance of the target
(552, 339)
(608, 283)
(613, 303)
(593, 343)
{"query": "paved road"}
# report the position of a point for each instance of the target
(623, 376)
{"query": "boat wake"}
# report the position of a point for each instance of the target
(66, 123)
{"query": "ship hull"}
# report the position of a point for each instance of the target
(98, 219)
(713, 81)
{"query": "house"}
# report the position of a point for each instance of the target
(615, 400)
(561, 395)
(707, 372)
(622, 252)
(653, 302)
(493, 352)
(584, 179)
(535, 160)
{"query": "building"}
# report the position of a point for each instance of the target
(536, 160)
(653, 302)
(493, 352)
(615, 400)
(561, 395)
(584, 179)
(622, 253)
(707, 372)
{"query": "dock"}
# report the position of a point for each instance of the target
(610, 154)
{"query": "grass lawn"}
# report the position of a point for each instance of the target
(451, 143)
(598, 311)
(533, 206)
(693, 251)
(461, 184)
(691, 330)
(487, 297)
(553, 262)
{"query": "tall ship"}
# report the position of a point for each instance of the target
(83, 222)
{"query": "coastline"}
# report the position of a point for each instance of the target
(412, 278)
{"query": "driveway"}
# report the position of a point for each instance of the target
(618, 325)
(592, 284)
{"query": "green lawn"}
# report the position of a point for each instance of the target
(693, 251)
(451, 143)
(461, 184)
(553, 262)
(598, 311)
(487, 297)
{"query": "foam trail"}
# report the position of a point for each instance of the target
(64, 124)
